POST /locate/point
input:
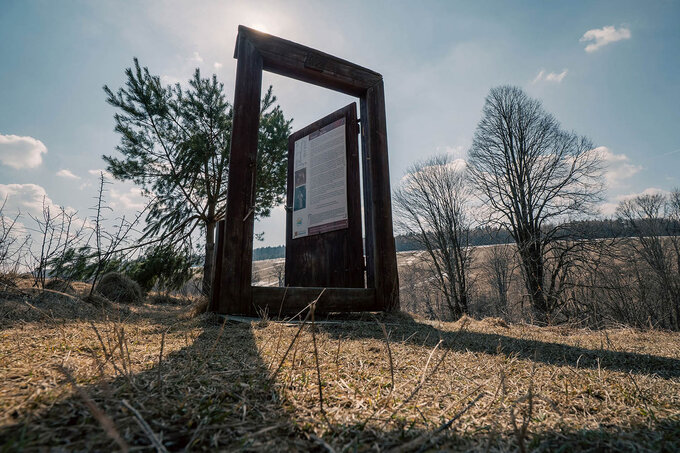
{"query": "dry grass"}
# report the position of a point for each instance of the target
(153, 377)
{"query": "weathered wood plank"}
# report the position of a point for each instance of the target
(303, 63)
(385, 275)
(368, 198)
(235, 294)
(332, 259)
(297, 298)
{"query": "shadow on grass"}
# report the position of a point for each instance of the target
(557, 354)
(215, 393)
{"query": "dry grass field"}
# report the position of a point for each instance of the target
(154, 377)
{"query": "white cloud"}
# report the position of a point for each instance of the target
(600, 37)
(647, 191)
(609, 208)
(456, 152)
(133, 198)
(21, 152)
(550, 76)
(618, 167)
(26, 198)
(170, 80)
(66, 173)
(217, 65)
(196, 58)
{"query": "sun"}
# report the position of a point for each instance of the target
(259, 26)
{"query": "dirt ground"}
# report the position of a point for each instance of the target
(152, 377)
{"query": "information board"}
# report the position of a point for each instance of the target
(323, 222)
(320, 179)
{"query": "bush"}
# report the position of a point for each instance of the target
(119, 288)
(165, 267)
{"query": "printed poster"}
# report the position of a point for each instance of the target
(320, 181)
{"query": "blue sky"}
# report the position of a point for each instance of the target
(608, 70)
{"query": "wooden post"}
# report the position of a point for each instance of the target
(235, 289)
(368, 200)
(217, 267)
(379, 205)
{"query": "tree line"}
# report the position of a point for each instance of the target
(528, 185)
(541, 185)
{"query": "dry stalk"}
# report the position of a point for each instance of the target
(521, 432)
(389, 352)
(642, 396)
(109, 354)
(280, 330)
(204, 359)
(429, 438)
(297, 334)
(194, 436)
(160, 362)
(104, 420)
(312, 309)
(146, 428)
(322, 443)
(337, 357)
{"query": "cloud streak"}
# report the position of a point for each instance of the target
(21, 152)
(600, 37)
(555, 77)
(66, 173)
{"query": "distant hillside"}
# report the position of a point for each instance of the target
(268, 253)
(586, 229)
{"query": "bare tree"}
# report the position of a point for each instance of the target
(498, 268)
(12, 245)
(109, 245)
(57, 231)
(431, 204)
(280, 272)
(533, 175)
(654, 220)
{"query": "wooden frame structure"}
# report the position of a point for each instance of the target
(232, 291)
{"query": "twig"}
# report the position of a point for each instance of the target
(146, 428)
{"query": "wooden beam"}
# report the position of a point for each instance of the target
(303, 63)
(235, 294)
(368, 198)
(385, 276)
(297, 298)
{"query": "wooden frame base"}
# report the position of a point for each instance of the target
(290, 301)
